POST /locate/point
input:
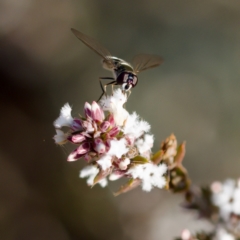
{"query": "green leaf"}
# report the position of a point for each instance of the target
(157, 157)
(139, 160)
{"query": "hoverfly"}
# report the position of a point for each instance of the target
(124, 73)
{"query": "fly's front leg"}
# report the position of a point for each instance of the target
(104, 87)
(129, 93)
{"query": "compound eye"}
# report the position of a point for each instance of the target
(135, 80)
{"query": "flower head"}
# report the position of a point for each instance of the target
(150, 174)
(113, 142)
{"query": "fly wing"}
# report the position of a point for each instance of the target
(94, 45)
(142, 62)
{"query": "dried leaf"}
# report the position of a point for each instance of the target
(157, 157)
(102, 174)
(131, 184)
(180, 153)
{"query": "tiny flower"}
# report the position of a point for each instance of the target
(226, 196)
(114, 104)
(222, 234)
(76, 138)
(77, 125)
(65, 118)
(88, 110)
(151, 175)
(97, 112)
(113, 132)
(91, 172)
(134, 126)
(111, 120)
(118, 148)
(105, 162)
(60, 137)
(115, 176)
(145, 145)
(88, 126)
(83, 148)
(99, 146)
(186, 234)
(124, 164)
(105, 126)
(73, 156)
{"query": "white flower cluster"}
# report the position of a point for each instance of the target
(226, 196)
(134, 136)
(150, 174)
(112, 143)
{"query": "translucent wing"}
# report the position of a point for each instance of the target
(142, 62)
(94, 45)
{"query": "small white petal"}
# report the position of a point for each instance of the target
(60, 137)
(145, 145)
(103, 183)
(114, 104)
(91, 172)
(65, 118)
(123, 164)
(134, 126)
(118, 148)
(236, 201)
(105, 162)
(114, 176)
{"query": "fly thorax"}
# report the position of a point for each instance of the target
(107, 64)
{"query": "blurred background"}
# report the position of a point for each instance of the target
(194, 94)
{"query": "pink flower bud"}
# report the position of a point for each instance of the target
(83, 148)
(76, 124)
(108, 145)
(73, 156)
(97, 112)
(99, 146)
(104, 126)
(95, 126)
(114, 131)
(111, 120)
(86, 134)
(76, 138)
(124, 163)
(88, 126)
(87, 157)
(130, 140)
(87, 110)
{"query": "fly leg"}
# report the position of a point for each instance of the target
(129, 93)
(104, 87)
